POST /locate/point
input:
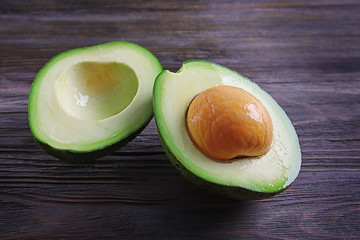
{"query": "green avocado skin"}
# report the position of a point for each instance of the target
(87, 157)
(226, 191)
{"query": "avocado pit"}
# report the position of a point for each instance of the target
(226, 122)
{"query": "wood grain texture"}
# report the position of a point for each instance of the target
(306, 54)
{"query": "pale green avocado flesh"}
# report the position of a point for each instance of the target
(248, 178)
(86, 103)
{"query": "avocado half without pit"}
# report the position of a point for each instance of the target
(88, 102)
(224, 133)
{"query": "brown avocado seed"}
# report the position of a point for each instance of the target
(226, 122)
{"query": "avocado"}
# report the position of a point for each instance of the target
(243, 177)
(88, 102)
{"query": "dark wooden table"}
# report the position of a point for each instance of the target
(305, 53)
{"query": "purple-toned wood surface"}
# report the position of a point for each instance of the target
(306, 54)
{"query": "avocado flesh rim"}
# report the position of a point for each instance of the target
(54, 124)
(270, 173)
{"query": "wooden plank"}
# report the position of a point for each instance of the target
(306, 54)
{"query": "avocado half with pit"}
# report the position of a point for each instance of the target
(88, 102)
(242, 177)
